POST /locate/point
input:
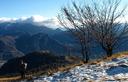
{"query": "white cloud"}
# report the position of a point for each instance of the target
(53, 22)
(5, 19)
(38, 18)
(122, 19)
(35, 19)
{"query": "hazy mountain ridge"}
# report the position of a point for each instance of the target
(27, 37)
(8, 49)
(8, 28)
(37, 42)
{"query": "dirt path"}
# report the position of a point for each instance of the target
(5, 79)
(14, 78)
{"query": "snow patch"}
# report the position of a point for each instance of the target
(112, 71)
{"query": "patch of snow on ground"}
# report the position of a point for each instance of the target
(113, 71)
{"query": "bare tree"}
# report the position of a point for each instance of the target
(72, 20)
(104, 20)
(98, 20)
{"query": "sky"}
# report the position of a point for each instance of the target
(40, 9)
(19, 8)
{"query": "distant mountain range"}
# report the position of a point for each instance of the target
(8, 49)
(17, 39)
(14, 29)
(20, 38)
(39, 41)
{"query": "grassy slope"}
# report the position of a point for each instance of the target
(117, 55)
(63, 68)
(49, 71)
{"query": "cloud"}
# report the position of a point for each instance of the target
(35, 19)
(5, 19)
(38, 18)
(53, 22)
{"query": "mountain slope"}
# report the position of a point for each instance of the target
(28, 37)
(37, 62)
(8, 49)
(114, 70)
(37, 42)
(8, 28)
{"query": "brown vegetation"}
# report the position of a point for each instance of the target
(74, 61)
(61, 68)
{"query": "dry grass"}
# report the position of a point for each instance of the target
(14, 78)
(117, 55)
(49, 71)
(6, 79)
(65, 67)
(69, 66)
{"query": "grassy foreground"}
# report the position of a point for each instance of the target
(60, 68)
(49, 71)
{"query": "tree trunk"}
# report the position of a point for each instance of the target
(82, 52)
(83, 55)
(109, 52)
(87, 57)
